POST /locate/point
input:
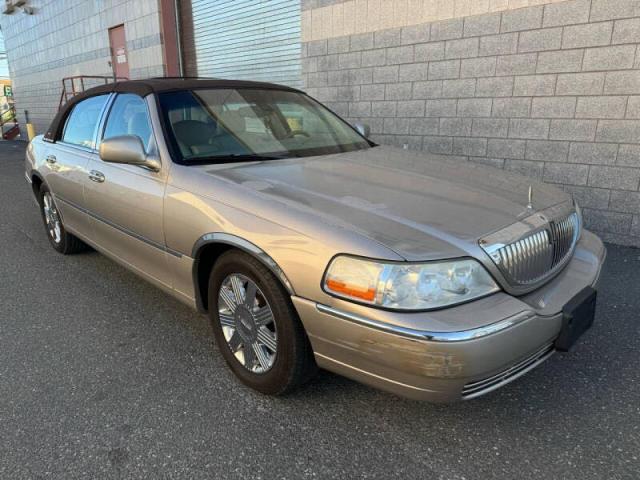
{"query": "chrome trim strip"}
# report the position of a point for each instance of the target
(479, 384)
(477, 390)
(28, 178)
(122, 229)
(73, 146)
(241, 243)
(456, 336)
(602, 259)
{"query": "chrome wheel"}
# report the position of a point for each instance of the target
(52, 218)
(247, 323)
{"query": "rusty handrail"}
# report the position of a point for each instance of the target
(72, 91)
(12, 118)
(11, 110)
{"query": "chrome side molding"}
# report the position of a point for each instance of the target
(456, 336)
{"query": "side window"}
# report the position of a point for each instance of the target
(80, 127)
(129, 116)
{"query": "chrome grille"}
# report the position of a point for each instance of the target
(539, 254)
(480, 387)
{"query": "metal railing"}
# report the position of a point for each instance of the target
(71, 86)
(7, 117)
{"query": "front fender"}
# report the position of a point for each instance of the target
(246, 246)
(299, 244)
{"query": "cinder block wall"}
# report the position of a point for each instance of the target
(550, 90)
(63, 39)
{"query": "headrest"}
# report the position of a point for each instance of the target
(193, 132)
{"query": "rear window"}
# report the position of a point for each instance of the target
(80, 128)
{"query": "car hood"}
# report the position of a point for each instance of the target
(420, 206)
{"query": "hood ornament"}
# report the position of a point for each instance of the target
(530, 198)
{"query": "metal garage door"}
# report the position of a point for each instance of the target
(248, 39)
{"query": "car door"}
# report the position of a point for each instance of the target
(66, 162)
(126, 201)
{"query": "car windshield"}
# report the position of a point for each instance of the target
(229, 125)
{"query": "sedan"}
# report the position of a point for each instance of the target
(308, 245)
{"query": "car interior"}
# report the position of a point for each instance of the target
(218, 123)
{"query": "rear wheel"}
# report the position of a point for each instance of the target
(256, 327)
(59, 238)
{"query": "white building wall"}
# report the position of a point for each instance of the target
(4, 66)
(65, 38)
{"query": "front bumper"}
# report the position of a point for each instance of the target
(422, 360)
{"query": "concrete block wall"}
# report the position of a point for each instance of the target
(63, 39)
(550, 90)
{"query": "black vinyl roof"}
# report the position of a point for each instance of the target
(153, 85)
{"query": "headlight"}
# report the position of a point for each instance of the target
(407, 286)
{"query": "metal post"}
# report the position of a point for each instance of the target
(31, 131)
(176, 8)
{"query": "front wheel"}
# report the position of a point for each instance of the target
(59, 238)
(256, 327)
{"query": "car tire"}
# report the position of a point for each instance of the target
(271, 356)
(61, 240)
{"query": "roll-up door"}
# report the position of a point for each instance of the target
(248, 39)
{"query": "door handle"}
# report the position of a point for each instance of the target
(51, 159)
(96, 176)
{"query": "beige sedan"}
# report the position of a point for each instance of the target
(309, 245)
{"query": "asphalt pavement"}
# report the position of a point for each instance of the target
(104, 376)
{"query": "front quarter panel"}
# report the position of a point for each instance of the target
(197, 204)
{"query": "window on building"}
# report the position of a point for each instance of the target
(129, 116)
(80, 128)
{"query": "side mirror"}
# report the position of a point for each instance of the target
(127, 149)
(363, 129)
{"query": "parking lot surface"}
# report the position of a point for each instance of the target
(104, 376)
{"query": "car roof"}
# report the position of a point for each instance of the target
(166, 84)
(154, 85)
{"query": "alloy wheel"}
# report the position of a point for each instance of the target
(52, 218)
(247, 323)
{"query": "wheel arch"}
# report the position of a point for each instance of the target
(208, 249)
(36, 182)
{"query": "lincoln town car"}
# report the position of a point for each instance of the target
(310, 246)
